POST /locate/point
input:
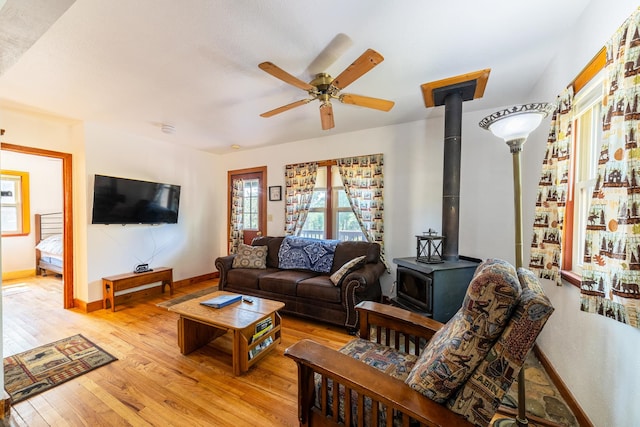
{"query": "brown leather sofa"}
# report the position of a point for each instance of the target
(307, 293)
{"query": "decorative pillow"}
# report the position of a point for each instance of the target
(302, 253)
(454, 351)
(250, 257)
(52, 245)
(347, 268)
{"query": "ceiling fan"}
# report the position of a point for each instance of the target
(325, 88)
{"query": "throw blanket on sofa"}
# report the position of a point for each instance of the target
(307, 254)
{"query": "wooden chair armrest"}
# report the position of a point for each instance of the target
(386, 318)
(365, 380)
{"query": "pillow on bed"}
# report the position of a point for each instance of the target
(52, 245)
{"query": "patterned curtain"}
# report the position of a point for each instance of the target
(363, 182)
(299, 182)
(611, 274)
(546, 253)
(236, 232)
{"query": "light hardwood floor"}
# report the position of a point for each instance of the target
(151, 383)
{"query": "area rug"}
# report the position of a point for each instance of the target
(42, 368)
(187, 297)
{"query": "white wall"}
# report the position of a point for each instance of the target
(190, 246)
(45, 191)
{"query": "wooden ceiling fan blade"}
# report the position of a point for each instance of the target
(279, 73)
(369, 59)
(286, 107)
(365, 101)
(326, 116)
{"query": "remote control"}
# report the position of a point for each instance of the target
(247, 300)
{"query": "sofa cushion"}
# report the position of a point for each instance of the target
(346, 251)
(247, 277)
(319, 288)
(250, 257)
(307, 254)
(347, 267)
(454, 351)
(284, 282)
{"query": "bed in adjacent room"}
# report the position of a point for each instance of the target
(49, 243)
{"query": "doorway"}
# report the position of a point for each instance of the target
(254, 201)
(67, 213)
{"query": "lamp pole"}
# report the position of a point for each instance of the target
(514, 126)
(515, 147)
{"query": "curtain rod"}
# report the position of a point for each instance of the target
(590, 70)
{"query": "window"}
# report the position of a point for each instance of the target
(330, 215)
(250, 210)
(15, 203)
(587, 141)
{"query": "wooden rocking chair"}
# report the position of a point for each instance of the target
(406, 369)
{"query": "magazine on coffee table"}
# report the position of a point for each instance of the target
(221, 301)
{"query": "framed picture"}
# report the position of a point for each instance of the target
(275, 193)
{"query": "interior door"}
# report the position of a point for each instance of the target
(254, 203)
(66, 158)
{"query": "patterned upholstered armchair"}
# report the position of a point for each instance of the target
(406, 369)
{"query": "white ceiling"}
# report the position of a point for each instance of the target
(194, 63)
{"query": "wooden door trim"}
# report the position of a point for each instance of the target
(263, 195)
(67, 209)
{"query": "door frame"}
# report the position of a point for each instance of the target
(262, 217)
(67, 212)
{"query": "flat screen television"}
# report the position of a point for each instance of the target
(130, 201)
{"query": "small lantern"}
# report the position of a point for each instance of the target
(429, 247)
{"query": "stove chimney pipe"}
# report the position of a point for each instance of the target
(451, 175)
(451, 93)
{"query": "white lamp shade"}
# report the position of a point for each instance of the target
(516, 122)
(517, 126)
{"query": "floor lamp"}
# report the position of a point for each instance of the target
(514, 126)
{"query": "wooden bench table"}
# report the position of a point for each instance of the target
(122, 282)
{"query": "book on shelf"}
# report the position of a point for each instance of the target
(262, 328)
(221, 301)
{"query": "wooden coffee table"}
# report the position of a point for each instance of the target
(198, 325)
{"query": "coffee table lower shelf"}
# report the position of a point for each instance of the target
(193, 334)
(198, 325)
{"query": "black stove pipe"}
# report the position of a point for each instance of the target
(451, 175)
